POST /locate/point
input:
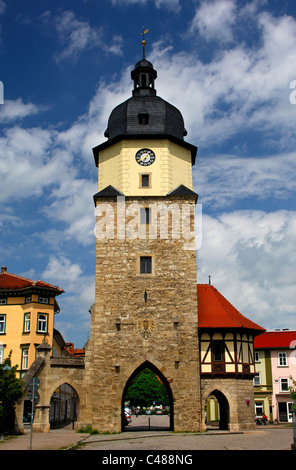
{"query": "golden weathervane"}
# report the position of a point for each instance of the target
(145, 31)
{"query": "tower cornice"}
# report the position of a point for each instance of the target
(193, 149)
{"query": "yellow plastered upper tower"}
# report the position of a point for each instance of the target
(145, 153)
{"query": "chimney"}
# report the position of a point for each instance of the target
(3, 269)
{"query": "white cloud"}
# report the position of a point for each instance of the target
(74, 320)
(128, 2)
(250, 256)
(168, 4)
(224, 180)
(63, 271)
(73, 205)
(77, 36)
(16, 109)
(214, 20)
(173, 5)
(10, 220)
(29, 163)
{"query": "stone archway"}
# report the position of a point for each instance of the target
(153, 368)
(51, 372)
(64, 404)
(223, 411)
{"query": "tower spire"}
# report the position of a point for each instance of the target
(145, 31)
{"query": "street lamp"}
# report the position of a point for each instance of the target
(5, 369)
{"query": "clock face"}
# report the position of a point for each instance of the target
(145, 157)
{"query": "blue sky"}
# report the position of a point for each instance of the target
(227, 65)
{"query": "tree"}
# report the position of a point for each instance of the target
(146, 388)
(10, 392)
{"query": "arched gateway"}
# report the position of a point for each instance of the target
(162, 378)
(146, 305)
(219, 413)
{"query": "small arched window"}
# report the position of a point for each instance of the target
(143, 80)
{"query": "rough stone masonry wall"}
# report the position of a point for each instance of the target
(126, 330)
(240, 396)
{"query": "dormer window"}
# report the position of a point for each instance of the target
(143, 118)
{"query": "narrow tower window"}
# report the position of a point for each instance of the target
(145, 215)
(143, 80)
(145, 181)
(145, 264)
(218, 351)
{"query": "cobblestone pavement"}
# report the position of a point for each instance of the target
(138, 437)
(268, 438)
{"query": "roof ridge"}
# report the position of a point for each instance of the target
(18, 276)
(31, 281)
(225, 310)
(229, 315)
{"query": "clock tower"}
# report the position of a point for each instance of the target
(145, 309)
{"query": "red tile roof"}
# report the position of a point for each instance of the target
(214, 311)
(276, 340)
(11, 282)
(75, 351)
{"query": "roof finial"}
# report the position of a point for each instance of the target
(145, 31)
(209, 280)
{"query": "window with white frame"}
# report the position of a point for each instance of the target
(284, 384)
(256, 356)
(282, 359)
(257, 379)
(2, 324)
(1, 353)
(258, 408)
(43, 300)
(27, 322)
(25, 355)
(42, 323)
(3, 301)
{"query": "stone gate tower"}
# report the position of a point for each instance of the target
(145, 310)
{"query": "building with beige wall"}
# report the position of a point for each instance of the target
(27, 311)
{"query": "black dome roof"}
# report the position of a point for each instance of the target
(145, 113)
